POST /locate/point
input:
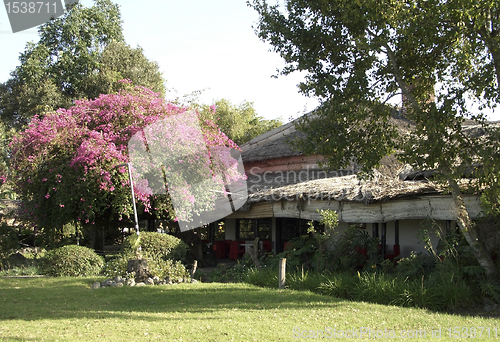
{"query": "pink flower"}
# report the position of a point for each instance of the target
(91, 137)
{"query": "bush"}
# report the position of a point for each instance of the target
(72, 261)
(339, 285)
(165, 246)
(233, 274)
(157, 266)
(173, 269)
(164, 253)
(304, 280)
(118, 265)
(415, 266)
(8, 242)
(265, 277)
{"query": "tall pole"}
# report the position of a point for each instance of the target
(133, 195)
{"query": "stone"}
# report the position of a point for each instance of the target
(194, 281)
(107, 282)
(140, 269)
(130, 282)
(118, 279)
(117, 284)
(96, 285)
(140, 284)
(149, 281)
(156, 279)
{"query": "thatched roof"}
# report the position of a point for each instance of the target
(276, 143)
(347, 188)
(272, 144)
(392, 181)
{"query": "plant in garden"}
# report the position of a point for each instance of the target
(8, 242)
(157, 266)
(234, 274)
(164, 253)
(165, 246)
(72, 260)
(329, 218)
(64, 164)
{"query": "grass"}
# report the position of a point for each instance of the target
(67, 309)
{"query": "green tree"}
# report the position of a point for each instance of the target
(240, 123)
(359, 55)
(79, 55)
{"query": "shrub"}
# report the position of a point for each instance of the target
(415, 266)
(162, 268)
(304, 280)
(347, 255)
(8, 242)
(157, 266)
(340, 285)
(235, 274)
(298, 253)
(165, 246)
(73, 261)
(265, 277)
(164, 253)
(117, 266)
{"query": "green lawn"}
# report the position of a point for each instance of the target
(67, 309)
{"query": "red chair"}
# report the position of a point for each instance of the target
(220, 249)
(235, 250)
(287, 245)
(396, 252)
(266, 246)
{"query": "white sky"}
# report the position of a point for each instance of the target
(199, 45)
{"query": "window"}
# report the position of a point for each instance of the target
(246, 230)
(250, 229)
(264, 229)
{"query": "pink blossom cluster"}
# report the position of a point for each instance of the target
(65, 162)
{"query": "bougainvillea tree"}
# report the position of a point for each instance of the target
(66, 169)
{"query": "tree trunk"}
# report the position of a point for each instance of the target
(99, 238)
(468, 229)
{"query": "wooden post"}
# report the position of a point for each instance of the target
(254, 253)
(282, 273)
(193, 271)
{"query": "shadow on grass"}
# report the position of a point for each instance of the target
(66, 298)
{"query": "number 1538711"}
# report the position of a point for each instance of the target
(31, 7)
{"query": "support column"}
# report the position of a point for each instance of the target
(383, 239)
(396, 232)
(375, 230)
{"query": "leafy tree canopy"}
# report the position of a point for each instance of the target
(79, 55)
(240, 123)
(360, 55)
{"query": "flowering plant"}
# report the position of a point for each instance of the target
(64, 164)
